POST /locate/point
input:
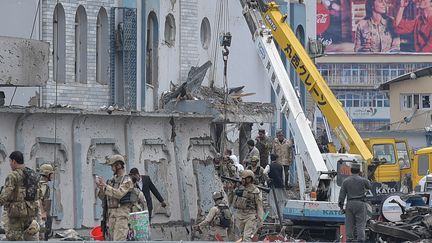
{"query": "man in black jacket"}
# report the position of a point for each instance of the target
(274, 172)
(146, 185)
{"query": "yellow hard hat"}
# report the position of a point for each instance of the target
(46, 169)
(247, 173)
(110, 160)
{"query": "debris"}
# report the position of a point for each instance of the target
(415, 224)
(68, 235)
(187, 89)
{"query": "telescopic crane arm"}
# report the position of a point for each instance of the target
(315, 84)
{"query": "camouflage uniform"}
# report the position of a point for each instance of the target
(118, 214)
(212, 219)
(21, 213)
(44, 204)
(248, 202)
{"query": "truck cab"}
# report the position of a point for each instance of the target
(421, 167)
(391, 162)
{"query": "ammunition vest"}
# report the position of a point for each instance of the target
(129, 198)
(245, 199)
(18, 207)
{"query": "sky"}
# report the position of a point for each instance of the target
(16, 18)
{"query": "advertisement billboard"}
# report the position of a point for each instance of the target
(375, 26)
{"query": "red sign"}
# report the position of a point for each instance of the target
(323, 18)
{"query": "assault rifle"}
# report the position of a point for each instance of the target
(104, 220)
(262, 188)
(48, 227)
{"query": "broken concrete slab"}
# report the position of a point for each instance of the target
(23, 62)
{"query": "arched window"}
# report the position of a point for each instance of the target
(81, 45)
(102, 47)
(205, 33)
(59, 44)
(152, 49)
(170, 30)
(300, 34)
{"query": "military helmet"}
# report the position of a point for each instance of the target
(110, 160)
(255, 158)
(46, 169)
(247, 173)
(217, 195)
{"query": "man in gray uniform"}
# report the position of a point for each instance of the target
(354, 189)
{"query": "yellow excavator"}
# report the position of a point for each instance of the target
(391, 164)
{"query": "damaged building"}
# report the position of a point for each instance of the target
(100, 89)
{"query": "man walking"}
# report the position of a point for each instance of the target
(117, 192)
(354, 190)
(46, 171)
(263, 144)
(282, 148)
(249, 205)
(274, 172)
(20, 195)
(146, 185)
(219, 218)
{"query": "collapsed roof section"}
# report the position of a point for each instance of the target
(191, 97)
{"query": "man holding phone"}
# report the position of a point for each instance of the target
(117, 192)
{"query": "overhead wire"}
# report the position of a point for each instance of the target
(31, 36)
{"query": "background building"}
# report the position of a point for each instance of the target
(352, 72)
(410, 97)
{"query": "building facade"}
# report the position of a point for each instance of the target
(410, 97)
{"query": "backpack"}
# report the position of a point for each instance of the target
(225, 216)
(31, 181)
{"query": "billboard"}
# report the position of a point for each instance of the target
(375, 26)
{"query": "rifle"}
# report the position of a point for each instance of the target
(262, 188)
(48, 227)
(104, 220)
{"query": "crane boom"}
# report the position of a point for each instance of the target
(307, 151)
(315, 84)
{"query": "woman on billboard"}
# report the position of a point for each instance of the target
(375, 32)
(420, 27)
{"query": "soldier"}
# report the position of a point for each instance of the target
(248, 203)
(46, 171)
(282, 148)
(219, 218)
(257, 170)
(228, 168)
(263, 144)
(354, 189)
(20, 195)
(120, 198)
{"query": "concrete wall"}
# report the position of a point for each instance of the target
(23, 62)
(176, 152)
(89, 94)
(422, 117)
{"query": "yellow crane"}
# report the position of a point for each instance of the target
(384, 155)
